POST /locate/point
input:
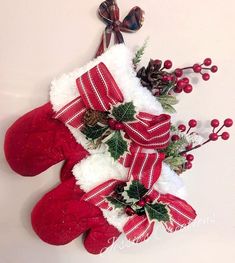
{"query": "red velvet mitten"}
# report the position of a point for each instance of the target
(60, 217)
(37, 141)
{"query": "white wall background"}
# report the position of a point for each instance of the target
(42, 39)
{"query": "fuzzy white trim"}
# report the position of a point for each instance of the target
(170, 182)
(97, 169)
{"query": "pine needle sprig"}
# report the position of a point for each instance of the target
(139, 53)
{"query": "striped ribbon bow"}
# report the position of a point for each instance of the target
(146, 169)
(99, 91)
(109, 13)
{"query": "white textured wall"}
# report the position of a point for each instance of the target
(41, 39)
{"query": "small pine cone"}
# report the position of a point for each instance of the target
(92, 117)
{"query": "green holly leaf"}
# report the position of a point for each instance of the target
(115, 202)
(136, 190)
(157, 212)
(124, 112)
(94, 132)
(117, 145)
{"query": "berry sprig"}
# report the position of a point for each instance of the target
(133, 199)
(183, 83)
(160, 81)
(213, 136)
(164, 83)
(184, 140)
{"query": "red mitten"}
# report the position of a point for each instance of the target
(37, 141)
(60, 217)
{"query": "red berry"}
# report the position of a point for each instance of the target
(178, 90)
(189, 147)
(182, 127)
(119, 126)
(129, 211)
(173, 78)
(207, 62)
(206, 76)
(141, 203)
(167, 64)
(192, 123)
(181, 84)
(214, 69)
(214, 123)
(213, 136)
(188, 165)
(190, 157)
(112, 123)
(175, 137)
(225, 136)
(148, 199)
(228, 123)
(188, 88)
(166, 78)
(186, 80)
(179, 72)
(197, 68)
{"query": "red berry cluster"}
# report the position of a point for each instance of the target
(115, 125)
(141, 203)
(213, 136)
(157, 78)
(129, 210)
(183, 83)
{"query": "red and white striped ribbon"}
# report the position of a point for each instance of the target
(146, 168)
(99, 91)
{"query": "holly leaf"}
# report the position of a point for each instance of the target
(135, 190)
(115, 202)
(158, 212)
(124, 112)
(94, 132)
(117, 145)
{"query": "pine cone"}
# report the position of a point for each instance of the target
(92, 117)
(152, 76)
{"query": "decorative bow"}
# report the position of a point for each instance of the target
(109, 13)
(173, 212)
(99, 91)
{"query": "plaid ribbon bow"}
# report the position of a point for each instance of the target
(99, 91)
(146, 169)
(109, 13)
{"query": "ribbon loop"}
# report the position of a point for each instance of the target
(109, 13)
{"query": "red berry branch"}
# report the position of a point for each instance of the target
(183, 141)
(213, 136)
(161, 82)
